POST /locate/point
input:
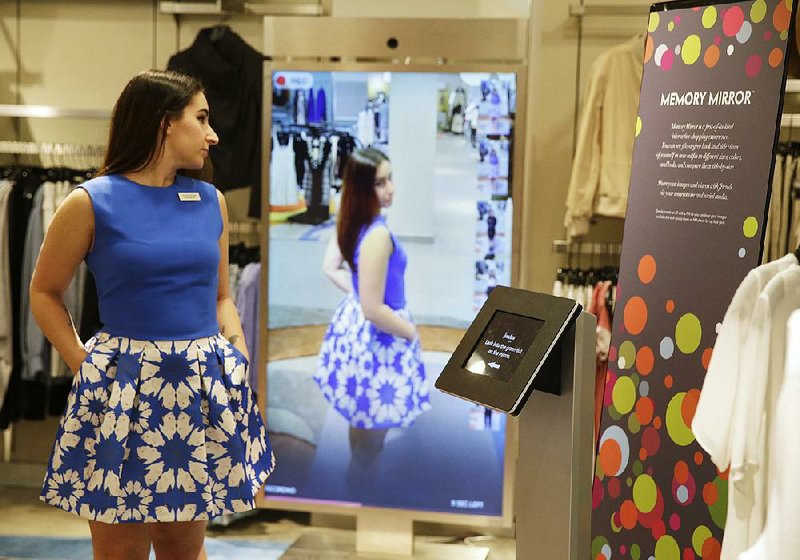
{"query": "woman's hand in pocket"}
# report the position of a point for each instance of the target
(75, 364)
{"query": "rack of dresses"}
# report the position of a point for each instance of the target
(783, 220)
(372, 125)
(320, 153)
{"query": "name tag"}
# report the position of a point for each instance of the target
(189, 196)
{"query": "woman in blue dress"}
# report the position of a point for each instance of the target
(161, 430)
(370, 366)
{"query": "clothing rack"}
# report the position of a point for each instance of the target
(586, 248)
(582, 10)
(50, 149)
(52, 112)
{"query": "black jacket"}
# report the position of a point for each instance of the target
(231, 72)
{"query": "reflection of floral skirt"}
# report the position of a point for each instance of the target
(374, 379)
(159, 431)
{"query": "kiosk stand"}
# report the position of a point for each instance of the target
(521, 341)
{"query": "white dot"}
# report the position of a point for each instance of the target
(683, 494)
(730, 50)
(718, 328)
(742, 252)
(744, 33)
(660, 50)
(644, 388)
(677, 49)
(606, 550)
(667, 348)
(621, 362)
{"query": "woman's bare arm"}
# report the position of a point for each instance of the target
(333, 266)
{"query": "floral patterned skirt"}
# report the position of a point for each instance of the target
(374, 379)
(159, 431)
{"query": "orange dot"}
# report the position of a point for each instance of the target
(648, 49)
(600, 556)
(698, 458)
(647, 269)
(681, 472)
(710, 493)
(610, 457)
(643, 454)
(775, 57)
(668, 382)
(628, 514)
(724, 474)
(781, 18)
(689, 406)
(670, 306)
(645, 360)
(711, 548)
(657, 422)
(711, 57)
(706, 358)
(635, 315)
(644, 410)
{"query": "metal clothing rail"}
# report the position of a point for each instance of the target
(583, 10)
(51, 112)
(48, 149)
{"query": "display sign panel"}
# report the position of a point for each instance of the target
(346, 427)
(711, 97)
(503, 344)
(510, 348)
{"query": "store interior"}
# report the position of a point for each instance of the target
(491, 161)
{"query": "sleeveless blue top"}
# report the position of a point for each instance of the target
(155, 257)
(395, 292)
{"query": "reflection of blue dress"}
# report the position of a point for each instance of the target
(373, 378)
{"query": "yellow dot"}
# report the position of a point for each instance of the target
(690, 51)
(652, 23)
(671, 25)
(677, 429)
(750, 227)
(688, 333)
(700, 535)
(710, 17)
(638, 125)
(627, 355)
(758, 10)
(667, 549)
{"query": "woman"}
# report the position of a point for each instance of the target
(161, 431)
(370, 365)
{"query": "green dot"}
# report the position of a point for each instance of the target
(677, 429)
(699, 537)
(667, 549)
(645, 493)
(652, 23)
(597, 545)
(638, 126)
(633, 424)
(635, 552)
(709, 17)
(624, 395)
(750, 227)
(629, 482)
(638, 468)
(688, 333)
(627, 355)
(719, 510)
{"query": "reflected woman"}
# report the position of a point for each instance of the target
(370, 366)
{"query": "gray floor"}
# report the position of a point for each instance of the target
(287, 536)
(440, 274)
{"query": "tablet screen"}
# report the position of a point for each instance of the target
(502, 345)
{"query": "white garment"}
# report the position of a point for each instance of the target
(49, 203)
(6, 324)
(713, 419)
(283, 189)
(366, 128)
(781, 538)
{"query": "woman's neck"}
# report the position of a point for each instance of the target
(156, 175)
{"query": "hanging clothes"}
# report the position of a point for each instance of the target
(247, 304)
(321, 111)
(232, 73)
(299, 107)
(311, 108)
(737, 404)
(282, 174)
(601, 168)
(6, 323)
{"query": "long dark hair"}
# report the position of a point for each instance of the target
(149, 102)
(359, 204)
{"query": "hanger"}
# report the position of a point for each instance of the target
(218, 32)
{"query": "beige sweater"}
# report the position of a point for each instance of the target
(606, 130)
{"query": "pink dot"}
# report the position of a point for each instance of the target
(674, 522)
(732, 21)
(767, 35)
(753, 66)
(717, 40)
(623, 549)
(688, 554)
(612, 354)
(666, 60)
(677, 20)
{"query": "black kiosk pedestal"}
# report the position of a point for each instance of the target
(532, 355)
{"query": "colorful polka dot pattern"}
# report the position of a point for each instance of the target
(656, 494)
(728, 27)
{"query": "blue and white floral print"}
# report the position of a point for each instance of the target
(372, 378)
(159, 431)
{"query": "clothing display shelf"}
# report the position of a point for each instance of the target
(50, 150)
(586, 247)
(790, 120)
(265, 8)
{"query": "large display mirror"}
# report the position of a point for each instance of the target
(449, 140)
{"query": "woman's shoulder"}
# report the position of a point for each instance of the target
(101, 184)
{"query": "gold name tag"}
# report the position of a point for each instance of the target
(189, 196)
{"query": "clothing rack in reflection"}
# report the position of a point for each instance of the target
(50, 149)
